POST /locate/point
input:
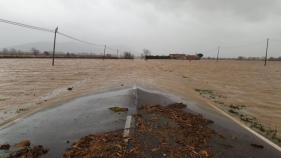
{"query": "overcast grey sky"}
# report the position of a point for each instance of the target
(162, 26)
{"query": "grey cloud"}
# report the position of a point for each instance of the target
(251, 10)
(166, 26)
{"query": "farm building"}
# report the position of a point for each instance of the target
(191, 57)
(178, 56)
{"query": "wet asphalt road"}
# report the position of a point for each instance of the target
(69, 122)
(220, 147)
(52, 128)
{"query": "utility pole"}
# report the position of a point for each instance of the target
(104, 52)
(218, 54)
(117, 54)
(266, 53)
(54, 46)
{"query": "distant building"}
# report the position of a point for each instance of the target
(178, 56)
(191, 57)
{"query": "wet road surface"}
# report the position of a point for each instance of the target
(69, 122)
(220, 147)
(90, 115)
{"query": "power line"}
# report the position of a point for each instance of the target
(110, 48)
(209, 50)
(236, 46)
(245, 45)
(27, 26)
(80, 40)
(274, 40)
(53, 31)
(47, 30)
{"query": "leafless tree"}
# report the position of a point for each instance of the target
(5, 51)
(34, 51)
(146, 52)
(128, 55)
(12, 51)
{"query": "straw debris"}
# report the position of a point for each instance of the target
(257, 145)
(28, 152)
(23, 143)
(4, 146)
(159, 132)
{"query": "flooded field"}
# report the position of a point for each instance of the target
(28, 85)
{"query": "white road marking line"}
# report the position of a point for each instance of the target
(127, 126)
(245, 126)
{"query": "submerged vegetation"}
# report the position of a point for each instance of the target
(209, 93)
(234, 109)
(238, 107)
(22, 109)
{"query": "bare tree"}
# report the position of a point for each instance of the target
(5, 51)
(146, 52)
(12, 51)
(34, 51)
(128, 55)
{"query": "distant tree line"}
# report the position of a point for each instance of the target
(246, 58)
(157, 57)
(33, 52)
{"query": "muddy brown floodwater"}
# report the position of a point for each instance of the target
(29, 85)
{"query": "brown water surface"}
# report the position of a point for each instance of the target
(35, 84)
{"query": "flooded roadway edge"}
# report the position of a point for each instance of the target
(201, 110)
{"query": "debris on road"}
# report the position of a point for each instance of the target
(175, 133)
(28, 152)
(99, 145)
(160, 132)
(234, 137)
(257, 145)
(118, 109)
(4, 146)
(23, 143)
(177, 105)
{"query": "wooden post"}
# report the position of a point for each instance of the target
(54, 46)
(117, 54)
(189, 66)
(104, 52)
(266, 53)
(218, 54)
